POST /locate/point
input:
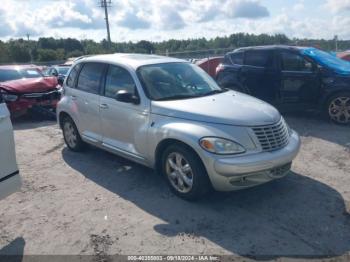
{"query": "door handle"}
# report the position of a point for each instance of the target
(74, 97)
(104, 106)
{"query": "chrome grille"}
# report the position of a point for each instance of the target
(272, 137)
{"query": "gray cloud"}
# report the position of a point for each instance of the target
(249, 9)
(5, 27)
(132, 21)
(169, 19)
(338, 6)
(77, 23)
(81, 14)
(22, 30)
(209, 15)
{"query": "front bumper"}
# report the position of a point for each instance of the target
(27, 101)
(234, 173)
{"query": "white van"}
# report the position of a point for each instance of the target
(10, 180)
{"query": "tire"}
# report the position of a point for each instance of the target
(338, 108)
(196, 172)
(71, 135)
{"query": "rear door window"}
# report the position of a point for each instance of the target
(258, 58)
(90, 77)
(73, 75)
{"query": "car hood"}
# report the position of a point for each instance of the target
(30, 85)
(229, 108)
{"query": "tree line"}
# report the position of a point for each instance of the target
(50, 49)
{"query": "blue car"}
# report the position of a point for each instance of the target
(291, 78)
(59, 71)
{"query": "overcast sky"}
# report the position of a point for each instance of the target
(158, 20)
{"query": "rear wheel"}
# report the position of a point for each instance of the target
(71, 135)
(338, 108)
(185, 172)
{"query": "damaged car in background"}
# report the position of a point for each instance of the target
(58, 71)
(25, 88)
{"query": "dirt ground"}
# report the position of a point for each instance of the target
(96, 203)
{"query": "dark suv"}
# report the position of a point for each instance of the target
(291, 78)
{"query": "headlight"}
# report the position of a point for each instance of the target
(9, 97)
(221, 146)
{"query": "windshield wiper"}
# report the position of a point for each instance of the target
(213, 92)
(176, 97)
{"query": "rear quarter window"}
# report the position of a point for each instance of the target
(90, 77)
(71, 79)
(237, 58)
(227, 60)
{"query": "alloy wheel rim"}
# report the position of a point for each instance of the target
(70, 134)
(179, 172)
(339, 110)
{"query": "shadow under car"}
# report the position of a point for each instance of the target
(296, 216)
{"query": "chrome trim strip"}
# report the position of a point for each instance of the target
(122, 151)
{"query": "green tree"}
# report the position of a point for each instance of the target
(45, 55)
(18, 51)
(145, 47)
(75, 53)
(4, 53)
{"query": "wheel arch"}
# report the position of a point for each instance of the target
(163, 145)
(61, 116)
(325, 99)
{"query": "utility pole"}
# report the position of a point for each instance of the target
(336, 43)
(105, 4)
(30, 50)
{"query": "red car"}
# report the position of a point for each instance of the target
(344, 55)
(25, 87)
(209, 65)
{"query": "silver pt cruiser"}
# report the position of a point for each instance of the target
(170, 115)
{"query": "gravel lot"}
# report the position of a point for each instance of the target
(97, 203)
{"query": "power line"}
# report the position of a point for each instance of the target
(106, 4)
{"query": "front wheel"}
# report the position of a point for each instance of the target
(71, 135)
(338, 108)
(185, 172)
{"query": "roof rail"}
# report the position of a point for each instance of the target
(81, 57)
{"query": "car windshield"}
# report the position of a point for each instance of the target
(13, 74)
(63, 70)
(172, 81)
(327, 60)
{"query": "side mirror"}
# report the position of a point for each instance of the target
(127, 97)
(54, 74)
